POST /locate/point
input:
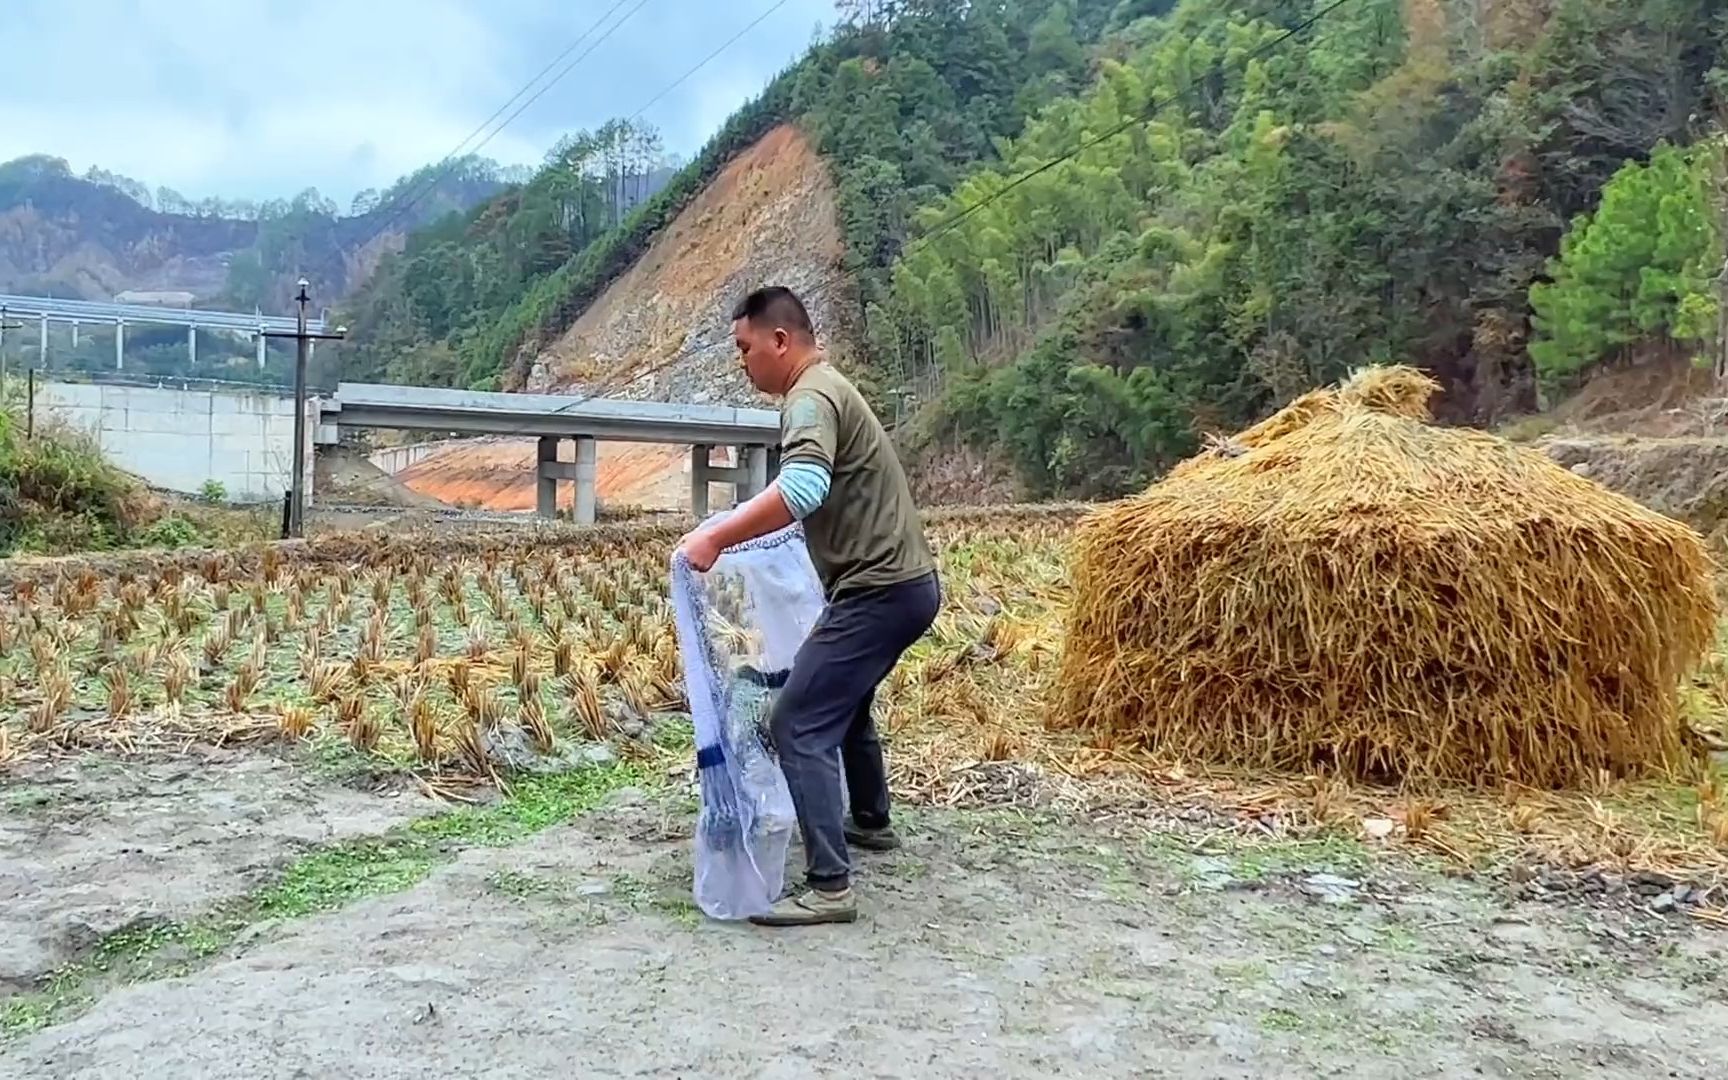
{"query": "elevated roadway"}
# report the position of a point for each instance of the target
(553, 418)
(44, 310)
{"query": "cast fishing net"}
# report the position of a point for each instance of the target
(739, 626)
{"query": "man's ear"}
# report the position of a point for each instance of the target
(781, 337)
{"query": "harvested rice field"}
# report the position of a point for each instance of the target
(377, 806)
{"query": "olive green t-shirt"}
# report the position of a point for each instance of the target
(867, 532)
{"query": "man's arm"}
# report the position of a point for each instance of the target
(807, 442)
(801, 488)
(759, 516)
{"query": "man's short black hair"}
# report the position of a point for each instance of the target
(775, 305)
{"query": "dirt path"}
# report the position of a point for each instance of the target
(95, 847)
(993, 945)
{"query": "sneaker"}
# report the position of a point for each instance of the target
(883, 839)
(810, 908)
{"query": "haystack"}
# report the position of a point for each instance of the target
(1347, 586)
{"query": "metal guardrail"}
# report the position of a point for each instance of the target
(93, 311)
(170, 382)
(374, 405)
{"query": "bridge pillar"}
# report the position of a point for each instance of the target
(756, 465)
(191, 348)
(261, 343)
(42, 345)
(752, 472)
(120, 345)
(587, 469)
(700, 473)
(582, 472)
(545, 483)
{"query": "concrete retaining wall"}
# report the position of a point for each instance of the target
(180, 439)
(393, 459)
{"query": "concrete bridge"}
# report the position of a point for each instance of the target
(79, 313)
(585, 421)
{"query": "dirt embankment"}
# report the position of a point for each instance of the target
(1662, 398)
(1686, 478)
(768, 218)
(949, 473)
(1656, 431)
(344, 477)
(660, 332)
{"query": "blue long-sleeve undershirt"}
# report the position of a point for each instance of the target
(804, 486)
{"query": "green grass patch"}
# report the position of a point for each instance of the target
(20, 800)
(521, 886)
(329, 756)
(334, 877)
(1256, 860)
(637, 894)
(673, 731)
(1252, 972)
(534, 803)
(64, 996)
(1333, 853)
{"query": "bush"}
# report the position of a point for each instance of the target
(171, 532)
(58, 494)
(213, 493)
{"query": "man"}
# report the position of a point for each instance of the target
(840, 478)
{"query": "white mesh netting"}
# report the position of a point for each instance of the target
(739, 626)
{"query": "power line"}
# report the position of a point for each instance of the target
(568, 68)
(538, 76)
(431, 184)
(955, 219)
(449, 161)
(1142, 117)
(842, 277)
(733, 40)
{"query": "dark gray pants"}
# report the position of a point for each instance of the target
(825, 705)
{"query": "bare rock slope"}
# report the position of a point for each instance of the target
(660, 332)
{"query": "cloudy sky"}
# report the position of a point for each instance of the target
(262, 98)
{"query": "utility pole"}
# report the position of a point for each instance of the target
(1722, 323)
(1722, 278)
(303, 344)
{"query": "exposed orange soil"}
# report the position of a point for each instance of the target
(498, 474)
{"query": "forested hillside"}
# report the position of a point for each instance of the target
(422, 317)
(904, 99)
(94, 235)
(1417, 180)
(1389, 186)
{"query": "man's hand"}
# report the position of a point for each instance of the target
(759, 516)
(701, 549)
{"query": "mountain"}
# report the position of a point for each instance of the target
(96, 236)
(1075, 236)
(900, 104)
